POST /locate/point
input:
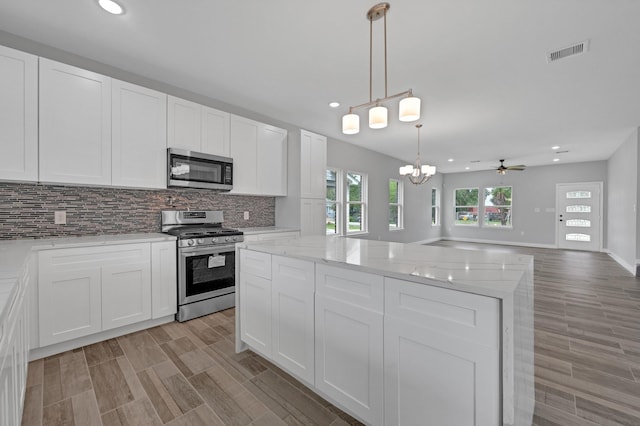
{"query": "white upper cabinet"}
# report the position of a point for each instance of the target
(19, 117)
(313, 165)
(75, 125)
(259, 153)
(139, 136)
(196, 127)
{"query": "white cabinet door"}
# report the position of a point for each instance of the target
(139, 136)
(272, 161)
(255, 294)
(313, 165)
(8, 410)
(430, 375)
(73, 306)
(19, 117)
(349, 357)
(244, 139)
(312, 217)
(293, 283)
(183, 124)
(126, 294)
(215, 131)
(75, 125)
(164, 279)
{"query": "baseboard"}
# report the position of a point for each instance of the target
(631, 268)
(500, 242)
(57, 348)
(429, 241)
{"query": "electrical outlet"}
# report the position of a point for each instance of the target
(60, 217)
(246, 215)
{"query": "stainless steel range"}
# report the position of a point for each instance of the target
(206, 261)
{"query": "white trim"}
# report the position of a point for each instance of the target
(622, 262)
(429, 241)
(37, 353)
(500, 242)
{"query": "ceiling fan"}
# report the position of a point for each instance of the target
(502, 170)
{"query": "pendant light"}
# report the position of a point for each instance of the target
(416, 172)
(409, 108)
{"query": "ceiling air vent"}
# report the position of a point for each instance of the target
(576, 49)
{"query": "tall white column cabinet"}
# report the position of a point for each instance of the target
(19, 117)
(75, 125)
(313, 172)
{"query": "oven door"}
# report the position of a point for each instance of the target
(205, 272)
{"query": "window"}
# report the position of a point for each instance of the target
(356, 207)
(334, 196)
(466, 208)
(497, 207)
(395, 204)
(435, 207)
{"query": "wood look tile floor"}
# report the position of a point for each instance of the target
(183, 374)
(587, 356)
(587, 337)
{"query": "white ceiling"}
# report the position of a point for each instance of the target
(478, 65)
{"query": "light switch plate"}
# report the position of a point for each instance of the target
(246, 215)
(60, 217)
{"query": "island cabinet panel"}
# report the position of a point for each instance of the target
(293, 284)
(441, 356)
(19, 118)
(255, 293)
(349, 340)
(164, 279)
(75, 125)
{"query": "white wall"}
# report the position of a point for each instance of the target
(622, 187)
(534, 201)
(380, 168)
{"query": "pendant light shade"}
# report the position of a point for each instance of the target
(378, 117)
(350, 124)
(416, 172)
(409, 109)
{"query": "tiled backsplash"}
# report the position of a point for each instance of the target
(27, 210)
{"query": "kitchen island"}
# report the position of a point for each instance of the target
(394, 333)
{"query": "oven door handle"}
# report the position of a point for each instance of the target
(213, 250)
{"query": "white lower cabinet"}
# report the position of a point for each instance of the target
(255, 293)
(292, 304)
(164, 290)
(441, 356)
(83, 291)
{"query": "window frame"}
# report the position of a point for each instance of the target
(485, 215)
(399, 204)
(477, 222)
(435, 207)
(364, 228)
(337, 201)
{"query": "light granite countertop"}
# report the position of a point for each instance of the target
(266, 230)
(479, 272)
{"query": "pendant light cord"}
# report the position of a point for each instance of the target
(385, 54)
(371, 60)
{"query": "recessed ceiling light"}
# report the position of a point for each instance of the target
(111, 6)
(556, 159)
(450, 160)
(555, 147)
(467, 168)
(334, 104)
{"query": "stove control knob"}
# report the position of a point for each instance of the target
(227, 238)
(214, 239)
(190, 242)
(235, 238)
(200, 240)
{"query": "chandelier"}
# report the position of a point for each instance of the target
(409, 106)
(417, 173)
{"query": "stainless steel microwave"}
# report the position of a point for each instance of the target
(198, 170)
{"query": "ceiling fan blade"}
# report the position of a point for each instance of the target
(520, 167)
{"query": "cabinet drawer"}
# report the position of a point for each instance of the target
(358, 288)
(467, 316)
(255, 263)
(83, 257)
